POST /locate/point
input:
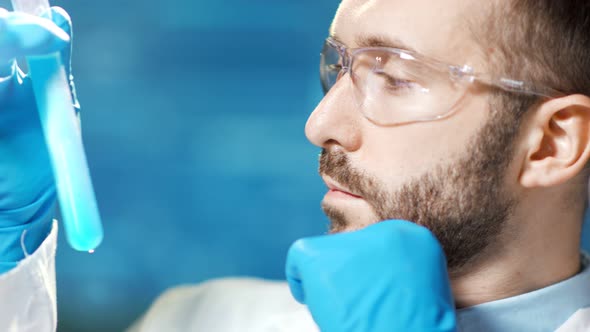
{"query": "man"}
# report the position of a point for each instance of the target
(470, 120)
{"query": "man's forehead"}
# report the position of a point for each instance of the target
(438, 29)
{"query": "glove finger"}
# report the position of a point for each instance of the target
(25, 35)
(295, 258)
(61, 18)
(6, 65)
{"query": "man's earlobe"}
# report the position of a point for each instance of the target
(558, 142)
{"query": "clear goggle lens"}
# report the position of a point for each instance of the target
(391, 86)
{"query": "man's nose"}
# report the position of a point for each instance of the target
(336, 120)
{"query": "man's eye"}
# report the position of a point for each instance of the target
(335, 68)
(395, 84)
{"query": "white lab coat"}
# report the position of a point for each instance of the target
(28, 303)
(227, 305)
(27, 292)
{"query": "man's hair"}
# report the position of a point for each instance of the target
(544, 42)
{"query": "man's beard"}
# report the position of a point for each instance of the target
(464, 204)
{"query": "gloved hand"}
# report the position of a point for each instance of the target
(390, 276)
(27, 188)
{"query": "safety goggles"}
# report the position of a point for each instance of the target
(394, 86)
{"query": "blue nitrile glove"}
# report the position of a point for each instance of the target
(27, 188)
(390, 276)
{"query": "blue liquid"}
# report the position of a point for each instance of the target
(64, 141)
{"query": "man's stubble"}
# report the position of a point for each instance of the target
(464, 204)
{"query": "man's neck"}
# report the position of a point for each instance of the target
(545, 254)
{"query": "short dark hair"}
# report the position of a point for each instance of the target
(546, 42)
(543, 42)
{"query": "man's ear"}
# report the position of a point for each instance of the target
(558, 142)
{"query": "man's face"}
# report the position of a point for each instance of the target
(449, 175)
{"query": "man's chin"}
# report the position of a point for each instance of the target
(346, 219)
(337, 229)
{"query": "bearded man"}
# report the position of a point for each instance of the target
(454, 140)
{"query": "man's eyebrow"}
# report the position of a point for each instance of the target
(378, 41)
(382, 41)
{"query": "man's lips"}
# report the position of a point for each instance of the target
(336, 188)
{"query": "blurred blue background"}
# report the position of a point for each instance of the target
(193, 118)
